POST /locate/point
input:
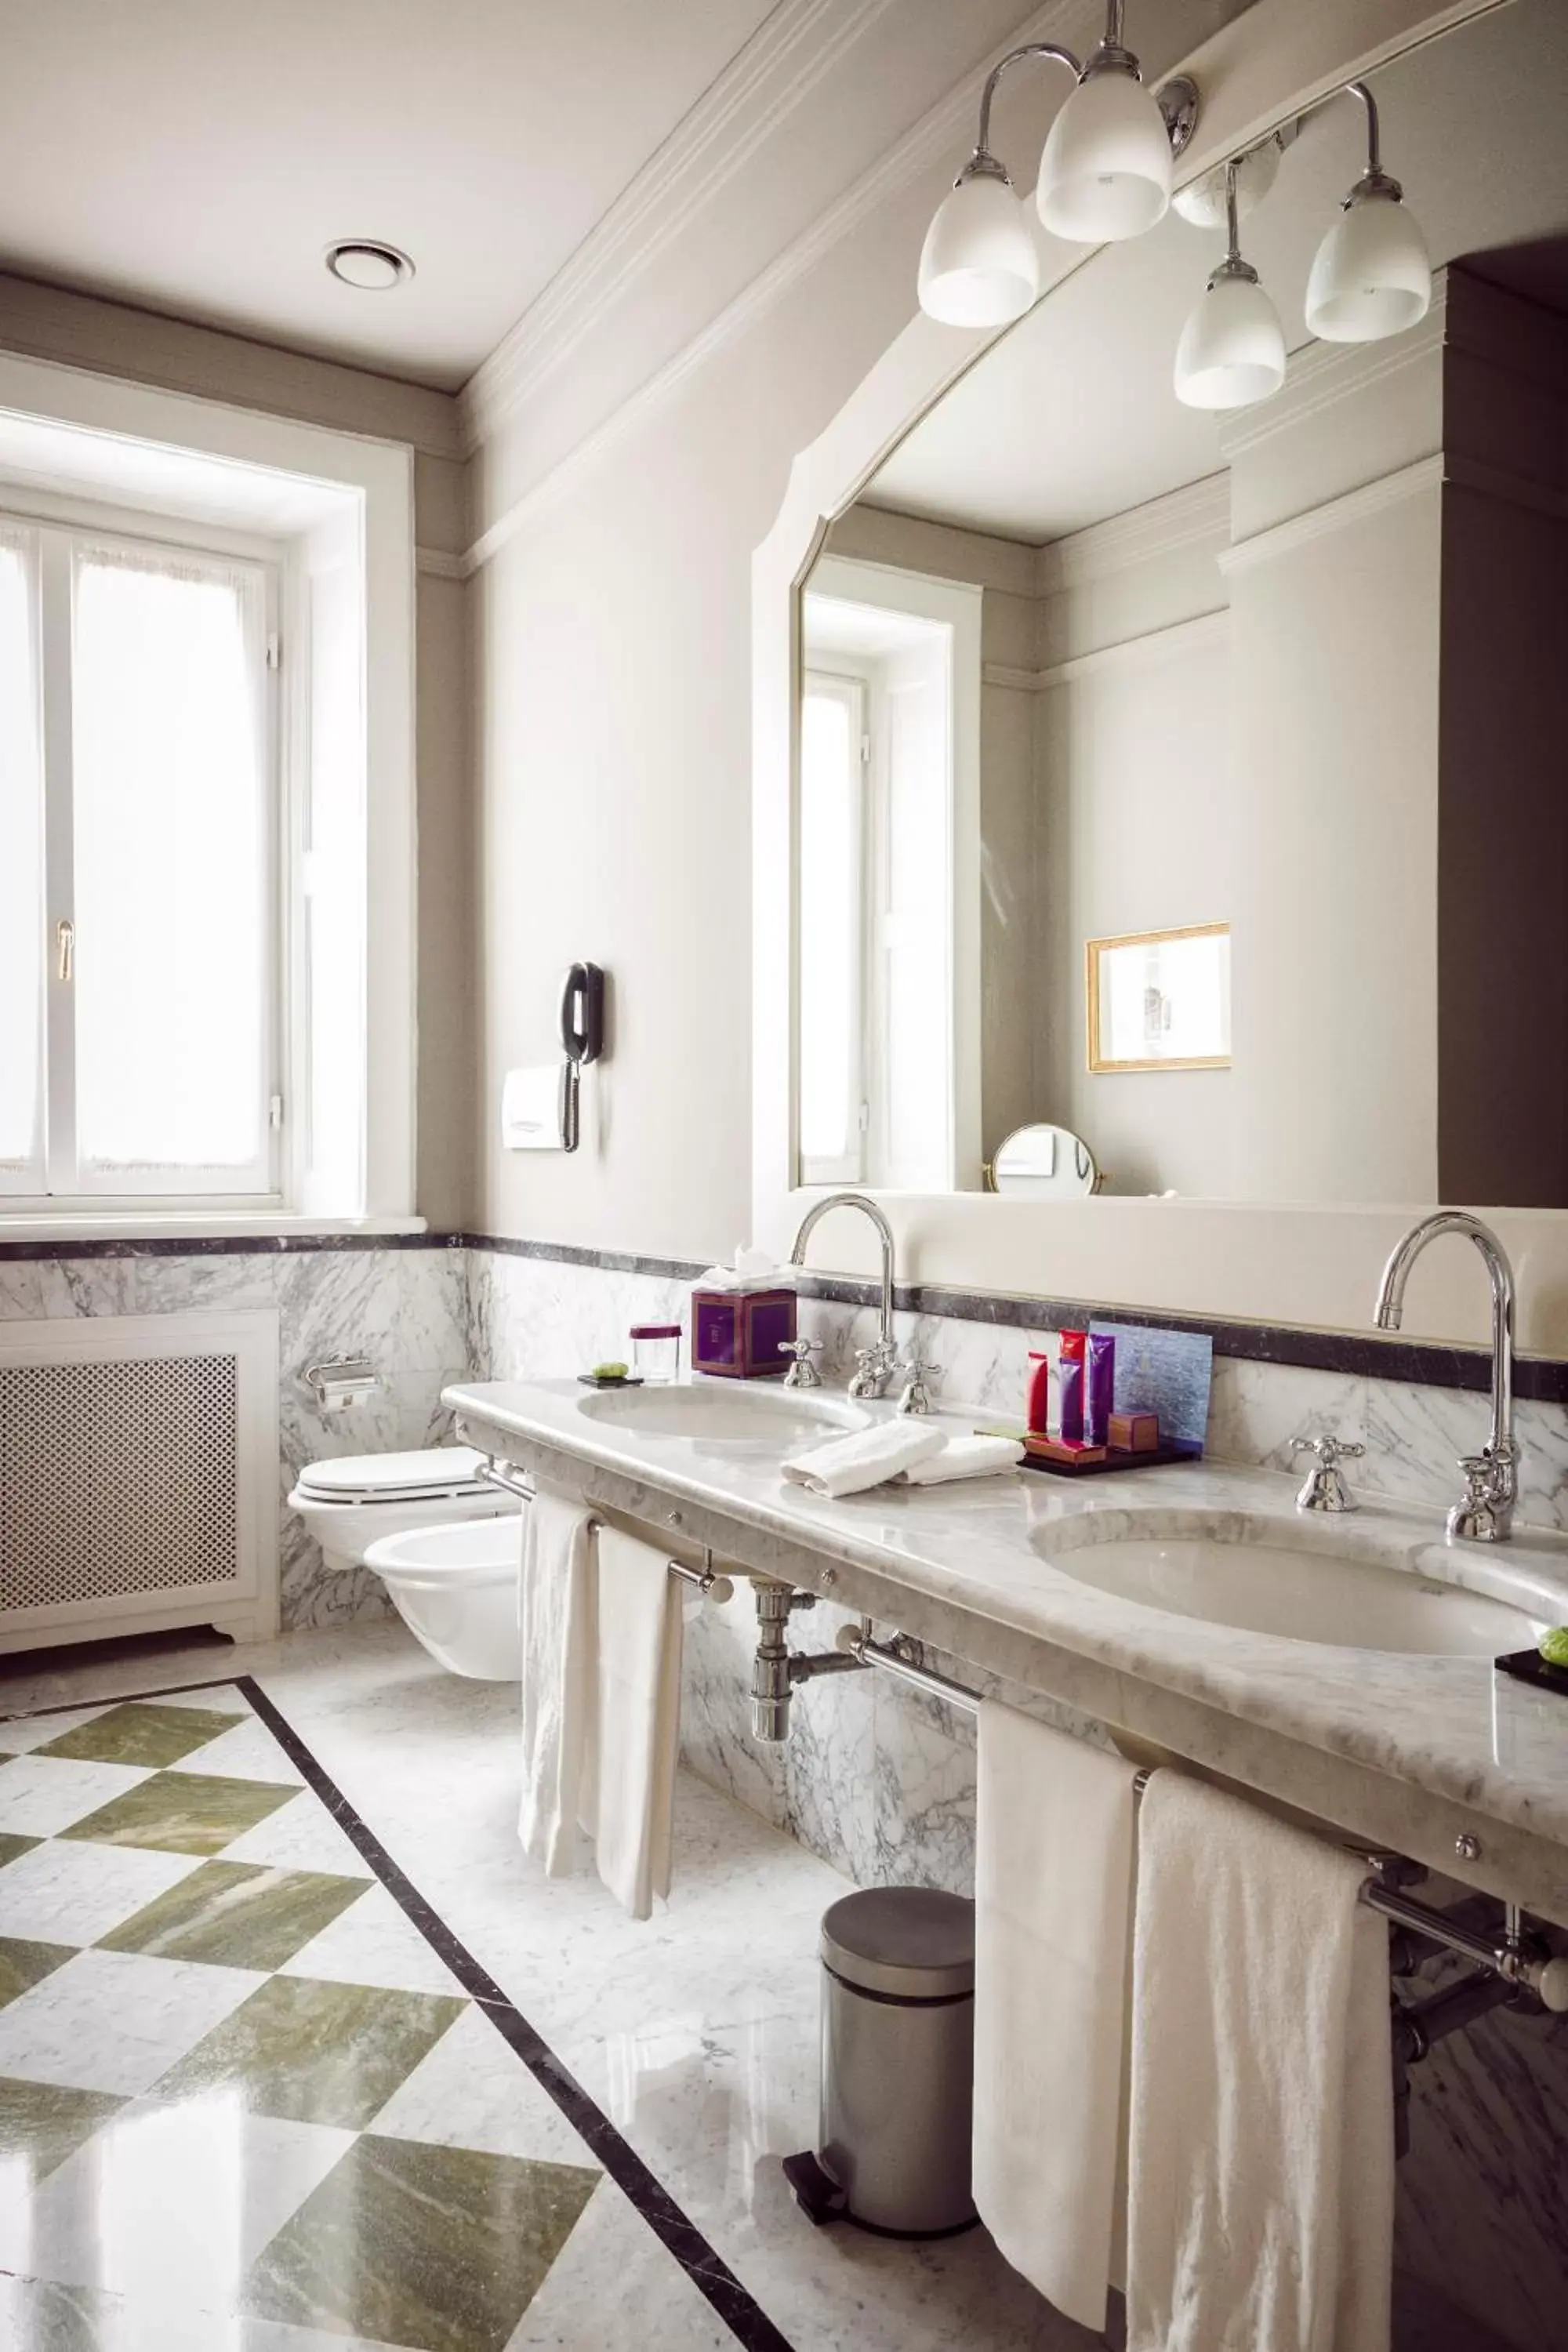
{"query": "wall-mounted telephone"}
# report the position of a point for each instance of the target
(581, 1038)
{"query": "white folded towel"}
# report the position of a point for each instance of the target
(867, 1457)
(629, 1794)
(964, 1457)
(1053, 1887)
(557, 1614)
(1261, 2158)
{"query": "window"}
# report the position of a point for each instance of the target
(832, 938)
(140, 898)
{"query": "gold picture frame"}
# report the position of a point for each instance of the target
(1134, 995)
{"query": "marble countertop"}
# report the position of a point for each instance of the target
(974, 1560)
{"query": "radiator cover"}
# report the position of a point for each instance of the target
(138, 1476)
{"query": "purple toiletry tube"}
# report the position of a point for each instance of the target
(1100, 1388)
(1071, 1432)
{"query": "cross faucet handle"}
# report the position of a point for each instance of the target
(803, 1373)
(915, 1398)
(1324, 1489)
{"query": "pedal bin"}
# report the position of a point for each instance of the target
(898, 2065)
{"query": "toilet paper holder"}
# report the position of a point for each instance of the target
(338, 1381)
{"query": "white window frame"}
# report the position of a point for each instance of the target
(55, 534)
(849, 1167)
(368, 484)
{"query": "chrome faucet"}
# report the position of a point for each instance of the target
(876, 1364)
(1491, 1477)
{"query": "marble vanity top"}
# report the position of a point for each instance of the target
(1367, 1738)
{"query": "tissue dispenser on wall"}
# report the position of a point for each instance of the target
(533, 1107)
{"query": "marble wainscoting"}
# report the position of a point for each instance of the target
(406, 1309)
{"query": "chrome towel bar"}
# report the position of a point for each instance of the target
(706, 1579)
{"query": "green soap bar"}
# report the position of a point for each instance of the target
(1553, 1645)
(611, 1371)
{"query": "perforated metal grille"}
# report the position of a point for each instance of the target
(117, 1478)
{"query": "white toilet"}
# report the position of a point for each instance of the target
(447, 1548)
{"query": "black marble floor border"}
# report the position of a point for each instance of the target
(706, 2268)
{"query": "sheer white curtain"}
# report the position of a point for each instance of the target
(21, 870)
(173, 860)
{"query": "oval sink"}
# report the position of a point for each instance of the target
(1265, 1577)
(717, 1414)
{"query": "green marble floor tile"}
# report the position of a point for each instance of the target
(182, 1812)
(440, 2248)
(44, 2123)
(144, 1734)
(11, 1845)
(316, 2054)
(24, 1965)
(237, 1914)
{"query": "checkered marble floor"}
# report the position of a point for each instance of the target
(244, 2105)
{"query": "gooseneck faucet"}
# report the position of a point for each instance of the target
(876, 1363)
(1491, 1477)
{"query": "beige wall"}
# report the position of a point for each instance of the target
(111, 339)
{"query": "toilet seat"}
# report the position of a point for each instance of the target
(436, 1473)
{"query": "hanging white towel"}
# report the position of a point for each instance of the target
(1053, 1888)
(629, 1796)
(1261, 2158)
(867, 1457)
(557, 1616)
(964, 1457)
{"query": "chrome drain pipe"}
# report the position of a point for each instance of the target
(777, 1669)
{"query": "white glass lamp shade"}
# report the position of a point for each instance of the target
(1106, 170)
(1372, 275)
(978, 266)
(1232, 351)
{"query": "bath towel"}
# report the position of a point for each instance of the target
(964, 1457)
(1053, 1891)
(1261, 2156)
(628, 1795)
(558, 1616)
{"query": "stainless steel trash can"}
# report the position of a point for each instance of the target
(898, 2065)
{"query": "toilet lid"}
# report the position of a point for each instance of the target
(394, 1478)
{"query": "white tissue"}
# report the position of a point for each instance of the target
(754, 1269)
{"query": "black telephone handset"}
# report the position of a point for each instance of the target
(582, 1039)
(583, 1013)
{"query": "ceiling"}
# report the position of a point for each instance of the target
(198, 156)
(1071, 417)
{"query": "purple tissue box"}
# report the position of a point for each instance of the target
(738, 1333)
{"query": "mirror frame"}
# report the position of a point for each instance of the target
(1243, 1260)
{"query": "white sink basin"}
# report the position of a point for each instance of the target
(716, 1413)
(1266, 1576)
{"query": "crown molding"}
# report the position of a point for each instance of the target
(439, 565)
(1189, 516)
(1128, 652)
(1335, 514)
(795, 50)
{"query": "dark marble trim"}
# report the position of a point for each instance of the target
(664, 1269)
(707, 2268)
(220, 1245)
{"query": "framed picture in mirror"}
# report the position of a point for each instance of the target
(1160, 1000)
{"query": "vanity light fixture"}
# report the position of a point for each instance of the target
(1372, 275)
(366, 263)
(1105, 175)
(1232, 351)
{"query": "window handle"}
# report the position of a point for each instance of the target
(65, 946)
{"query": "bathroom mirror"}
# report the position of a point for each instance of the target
(1083, 668)
(1044, 1163)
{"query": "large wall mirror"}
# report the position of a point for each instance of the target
(1195, 784)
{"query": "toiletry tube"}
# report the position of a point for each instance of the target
(1099, 1386)
(1069, 1427)
(1043, 1407)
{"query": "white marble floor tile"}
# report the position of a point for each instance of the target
(373, 1942)
(472, 2090)
(116, 2020)
(248, 1752)
(301, 1835)
(614, 2287)
(41, 1795)
(66, 1891)
(40, 2316)
(20, 1733)
(189, 2192)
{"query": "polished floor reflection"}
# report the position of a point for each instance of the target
(202, 2143)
